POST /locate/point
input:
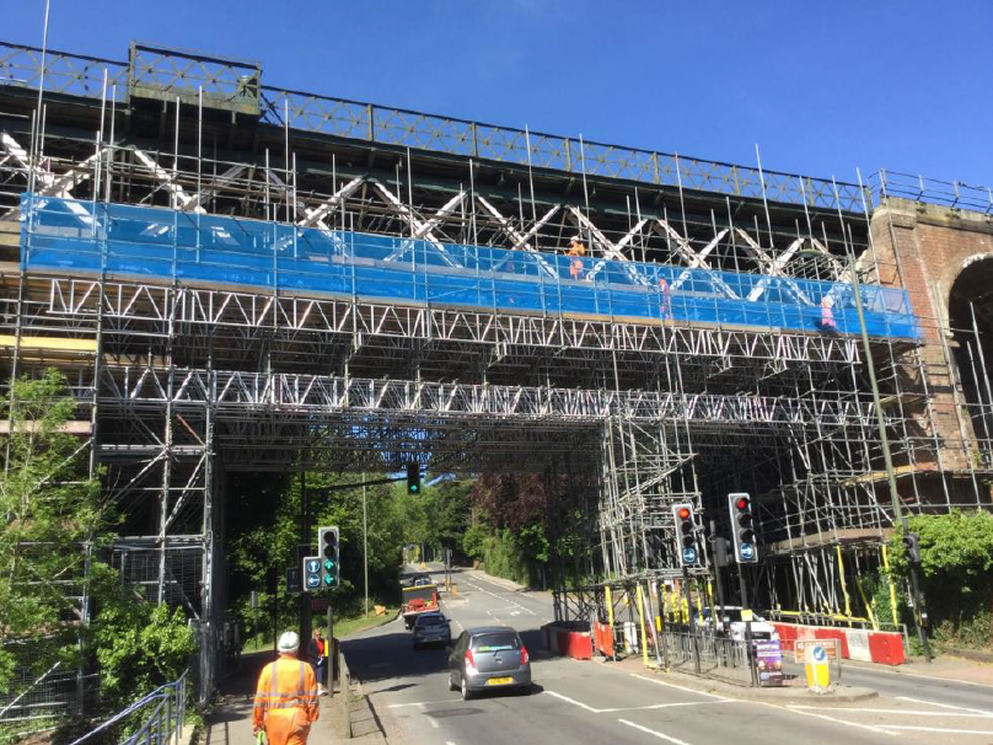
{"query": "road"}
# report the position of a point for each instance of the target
(584, 702)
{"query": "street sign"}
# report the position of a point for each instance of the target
(319, 604)
(311, 573)
(747, 551)
(689, 556)
(293, 580)
(815, 651)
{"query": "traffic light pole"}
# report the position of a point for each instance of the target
(887, 456)
(750, 651)
(332, 660)
(920, 614)
(306, 613)
(689, 609)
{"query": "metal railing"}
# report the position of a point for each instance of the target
(161, 716)
(955, 194)
(175, 71)
(720, 657)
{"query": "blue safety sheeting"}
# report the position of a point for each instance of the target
(163, 244)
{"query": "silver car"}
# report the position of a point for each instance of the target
(431, 628)
(488, 658)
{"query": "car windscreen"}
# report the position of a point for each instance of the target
(495, 642)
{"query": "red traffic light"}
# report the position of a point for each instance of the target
(684, 513)
(742, 503)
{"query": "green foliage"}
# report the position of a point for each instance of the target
(504, 557)
(52, 510)
(957, 573)
(474, 540)
(138, 646)
(264, 533)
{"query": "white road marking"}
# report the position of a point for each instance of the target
(830, 719)
(659, 735)
(648, 707)
(681, 688)
(434, 724)
(906, 712)
(667, 706)
(573, 701)
(503, 598)
(980, 712)
(953, 681)
(938, 729)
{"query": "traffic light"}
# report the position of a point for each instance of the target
(912, 542)
(329, 552)
(743, 528)
(413, 478)
(687, 548)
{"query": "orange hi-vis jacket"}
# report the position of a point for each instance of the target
(286, 701)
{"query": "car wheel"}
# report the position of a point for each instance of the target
(451, 681)
(466, 693)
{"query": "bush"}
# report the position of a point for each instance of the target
(139, 647)
(957, 573)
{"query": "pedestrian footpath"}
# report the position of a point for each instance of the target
(230, 720)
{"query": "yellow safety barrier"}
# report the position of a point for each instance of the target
(644, 636)
(844, 587)
(889, 577)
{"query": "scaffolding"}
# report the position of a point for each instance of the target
(241, 278)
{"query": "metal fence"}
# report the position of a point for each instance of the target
(39, 700)
(153, 720)
(720, 657)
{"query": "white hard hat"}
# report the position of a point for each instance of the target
(289, 642)
(576, 239)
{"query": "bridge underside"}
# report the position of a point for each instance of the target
(742, 371)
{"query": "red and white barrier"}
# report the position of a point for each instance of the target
(567, 642)
(884, 647)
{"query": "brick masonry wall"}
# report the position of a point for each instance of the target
(924, 248)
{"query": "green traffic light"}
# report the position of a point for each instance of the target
(329, 565)
(328, 579)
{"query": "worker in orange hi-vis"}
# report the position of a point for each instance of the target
(576, 250)
(286, 697)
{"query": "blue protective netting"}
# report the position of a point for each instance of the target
(157, 243)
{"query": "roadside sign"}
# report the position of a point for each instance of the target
(293, 580)
(319, 604)
(747, 551)
(746, 614)
(769, 661)
(311, 573)
(689, 556)
(816, 651)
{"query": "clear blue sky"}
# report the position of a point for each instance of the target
(822, 87)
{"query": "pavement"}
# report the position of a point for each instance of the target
(585, 702)
(230, 720)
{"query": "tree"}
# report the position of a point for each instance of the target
(53, 510)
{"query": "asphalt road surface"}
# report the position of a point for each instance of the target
(585, 702)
